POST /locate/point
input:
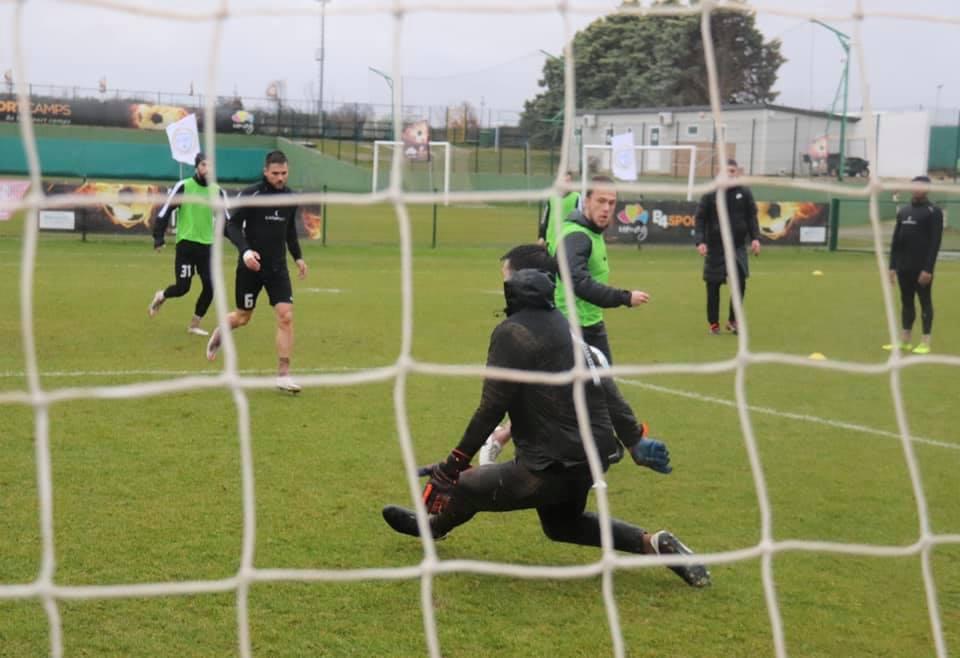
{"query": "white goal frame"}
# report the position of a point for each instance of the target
(446, 165)
(691, 174)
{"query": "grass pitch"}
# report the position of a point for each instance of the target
(149, 489)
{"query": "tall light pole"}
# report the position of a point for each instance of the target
(389, 82)
(319, 57)
(844, 40)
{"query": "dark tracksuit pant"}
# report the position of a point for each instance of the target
(908, 312)
(192, 258)
(558, 494)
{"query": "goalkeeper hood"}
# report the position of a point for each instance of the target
(528, 289)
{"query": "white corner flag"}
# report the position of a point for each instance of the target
(184, 139)
(624, 157)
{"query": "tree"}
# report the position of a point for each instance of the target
(348, 119)
(627, 60)
(462, 121)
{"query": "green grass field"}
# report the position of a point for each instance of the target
(149, 489)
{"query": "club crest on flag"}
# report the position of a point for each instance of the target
(184, 139)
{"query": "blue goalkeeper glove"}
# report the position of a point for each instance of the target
(653, 454)
(443, 479)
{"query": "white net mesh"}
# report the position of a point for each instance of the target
(40, 399)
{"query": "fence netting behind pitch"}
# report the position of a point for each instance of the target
(40, 399)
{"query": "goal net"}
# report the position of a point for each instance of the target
(156, 504)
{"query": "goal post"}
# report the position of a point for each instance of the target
(446, 164)
(690, 148)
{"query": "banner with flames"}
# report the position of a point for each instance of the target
(672, 222)
(116, 212)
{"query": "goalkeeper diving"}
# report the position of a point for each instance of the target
(550, 472)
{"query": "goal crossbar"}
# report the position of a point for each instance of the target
(691, 173)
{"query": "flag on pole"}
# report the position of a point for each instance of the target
(184, 139)
(624, 157)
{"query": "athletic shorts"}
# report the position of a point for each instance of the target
(191, 258)
(249, 284)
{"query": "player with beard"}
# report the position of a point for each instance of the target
(263, 235)
(913, 255)
(195, 222)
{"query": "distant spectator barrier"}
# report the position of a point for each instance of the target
(672, 222)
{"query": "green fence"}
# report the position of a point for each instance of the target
(77, 152)
(850, 221)
(944, 148)
(312, 171)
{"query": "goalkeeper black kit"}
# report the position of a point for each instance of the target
(535, 336)
(550, 472)
(270, 231)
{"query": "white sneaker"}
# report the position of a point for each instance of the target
(156, 303)
(197, 331)
(490, 449)
(286, 383)
(213, 345)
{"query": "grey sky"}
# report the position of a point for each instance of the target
(447, 57)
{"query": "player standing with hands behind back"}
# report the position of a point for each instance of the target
(743, 224)
(262, 235)
(913, 254)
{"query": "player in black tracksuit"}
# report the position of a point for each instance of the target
(263, 235)
(550, 472)
(744, 226)
(913, 255)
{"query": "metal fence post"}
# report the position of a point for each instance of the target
(834, 223)
(796, 128)
(433, 242)
(643, 140)
(753, 142)
(676, 142)
(324, 218)
(713, 153)
(956, 154)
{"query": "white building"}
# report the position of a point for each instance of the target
(766, 140)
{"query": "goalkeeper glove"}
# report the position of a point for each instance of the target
(653, 454)
(443, 478)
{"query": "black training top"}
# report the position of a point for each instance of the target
(916, 238)
(536, 337)
(743, 218)
(268, 230)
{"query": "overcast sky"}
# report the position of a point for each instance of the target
(448, 57)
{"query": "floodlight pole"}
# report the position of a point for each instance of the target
(320, 58)
(389, 82)
(844, 40)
